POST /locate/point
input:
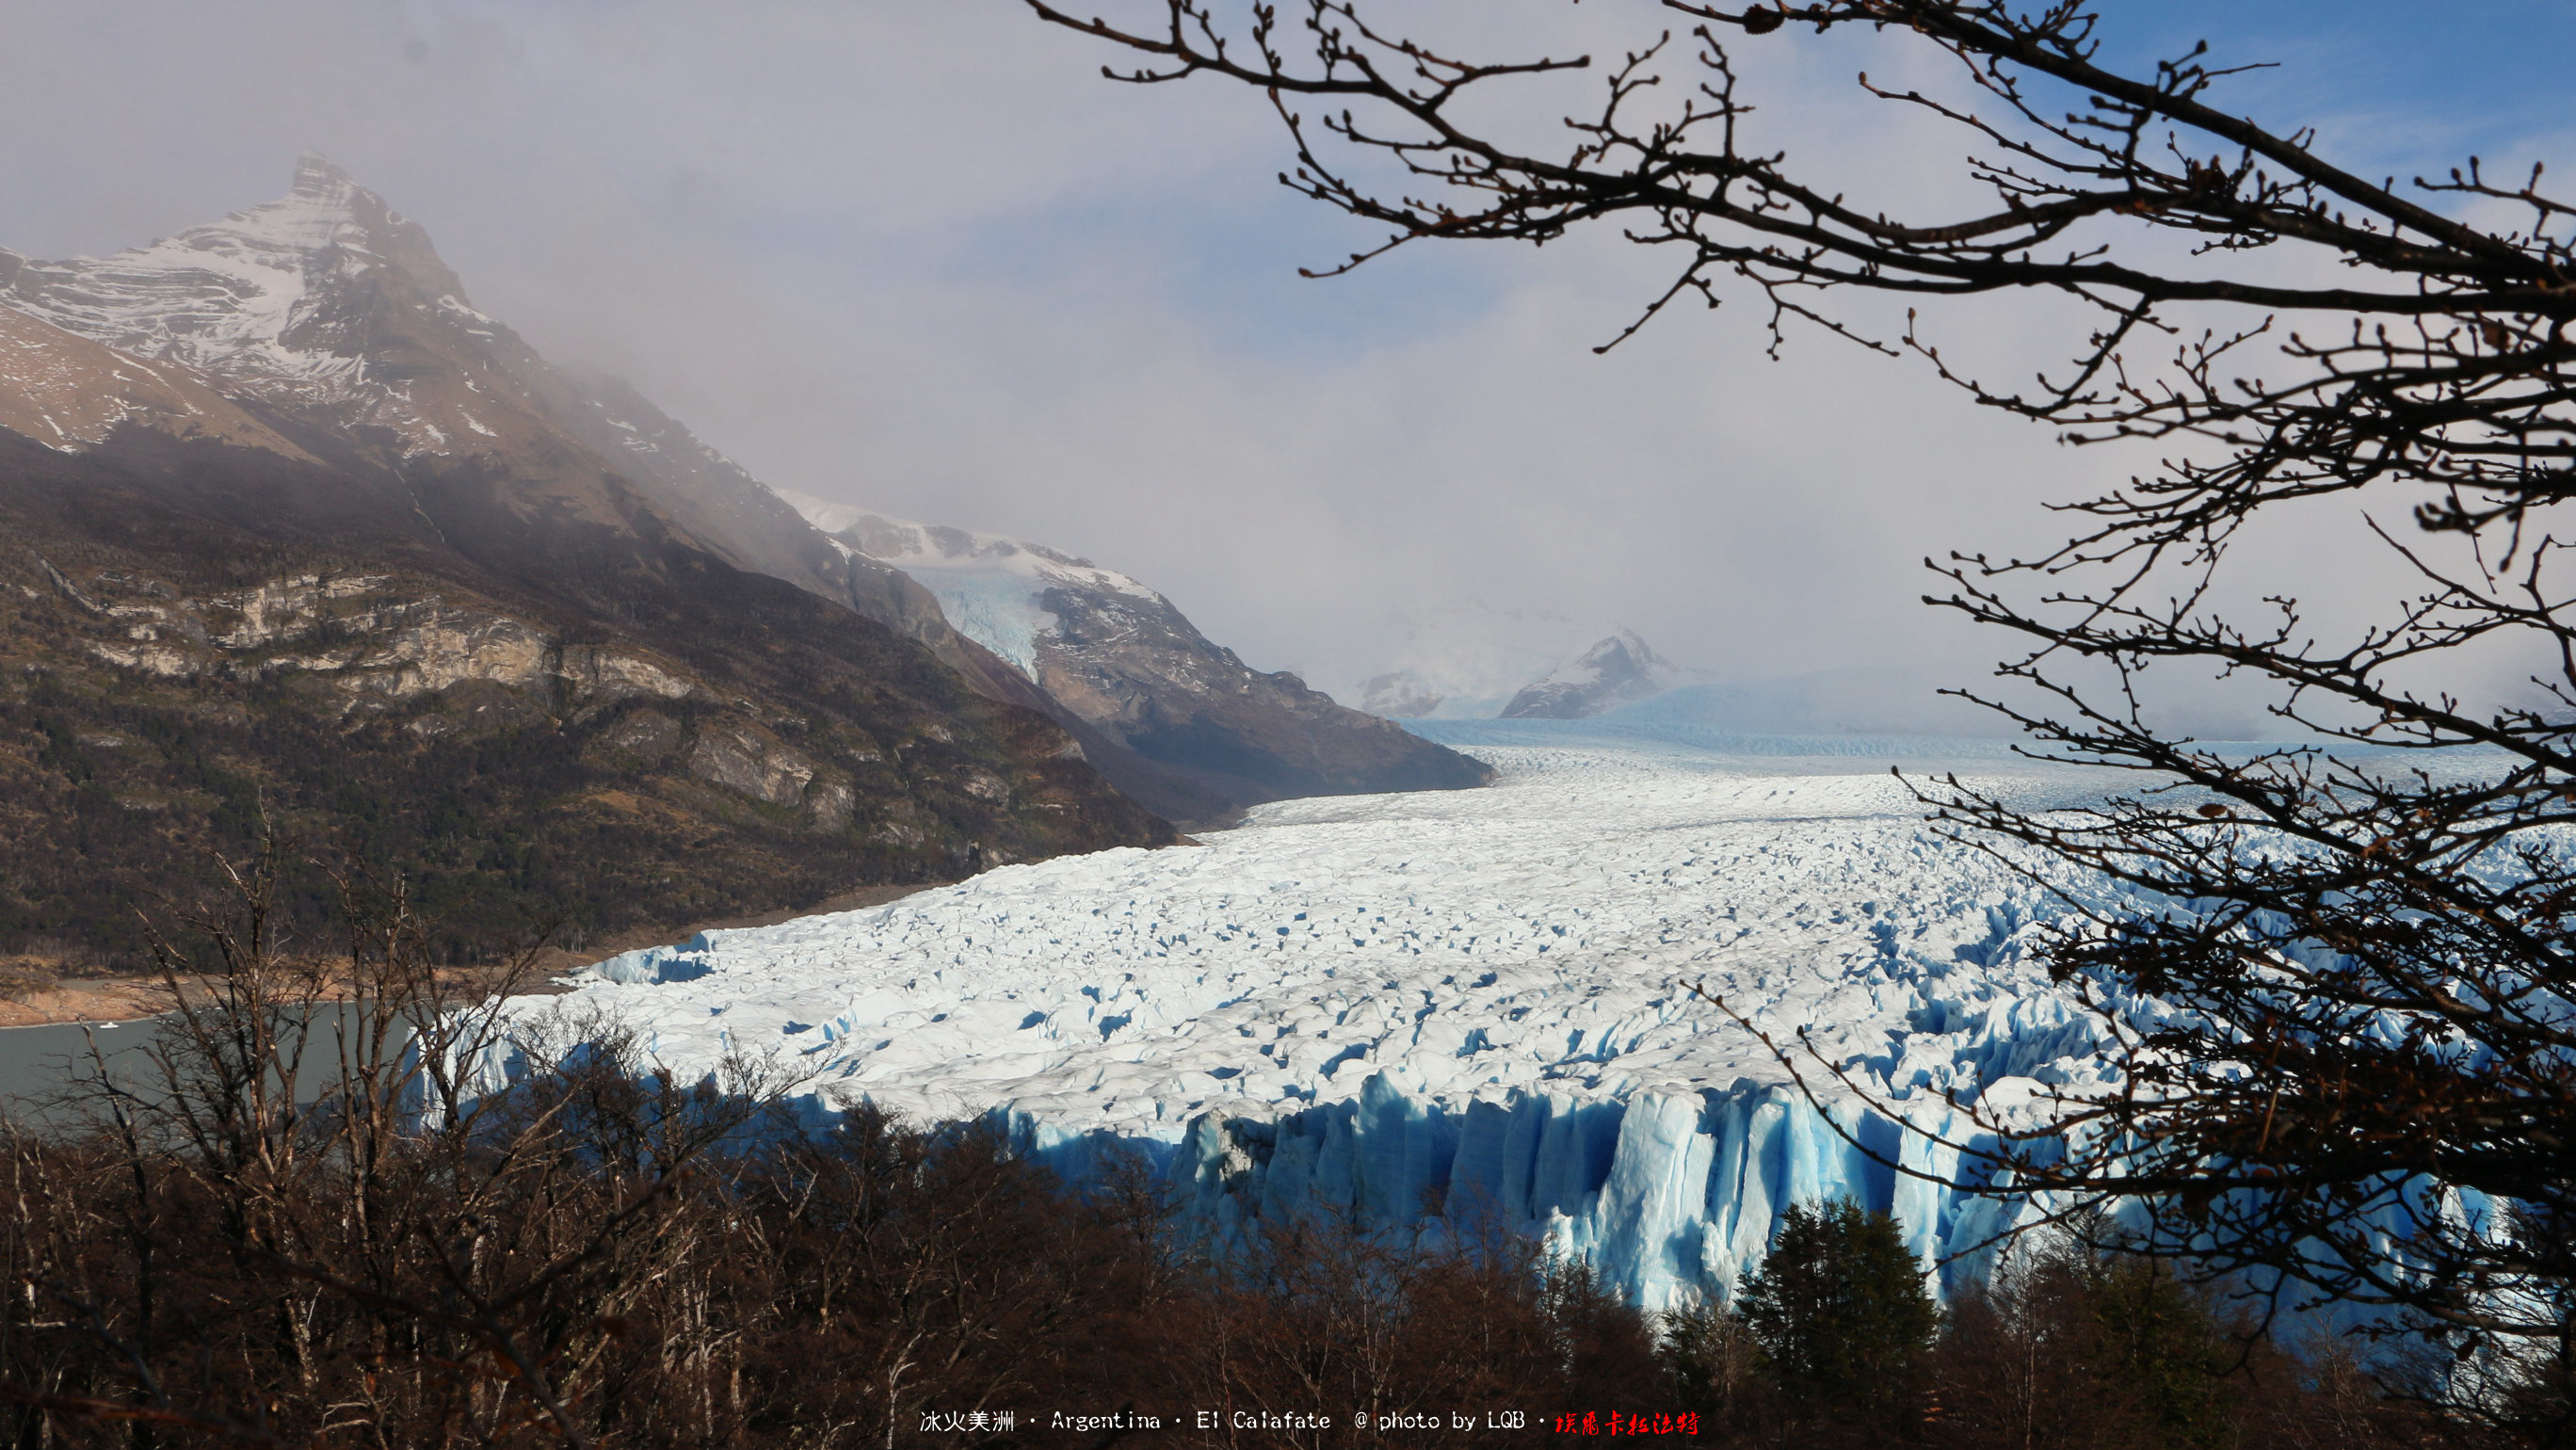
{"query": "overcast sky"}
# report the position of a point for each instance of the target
(915, 254)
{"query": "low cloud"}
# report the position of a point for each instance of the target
(920, 257)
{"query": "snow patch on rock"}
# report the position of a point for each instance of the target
(221, 298)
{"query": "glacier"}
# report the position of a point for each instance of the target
(1455, 1007)
(993, 589)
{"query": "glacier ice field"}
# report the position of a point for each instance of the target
(1445, 1006)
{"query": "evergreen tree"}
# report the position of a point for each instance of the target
(2070, 1344)
(1841, 1313)
(2160, 1342)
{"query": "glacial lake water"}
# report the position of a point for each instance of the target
(38, 1064)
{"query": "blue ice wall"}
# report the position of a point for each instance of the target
(1671, 1197)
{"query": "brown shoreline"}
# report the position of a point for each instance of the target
(33, 994)
(81, 999)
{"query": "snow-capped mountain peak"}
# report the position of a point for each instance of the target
(1465, 658)
(325, 298)
(321, 201)
(221, 298)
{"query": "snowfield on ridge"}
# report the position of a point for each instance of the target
(1378, 1001)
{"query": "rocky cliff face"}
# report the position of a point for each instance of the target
(168, 678)
(1120, 657)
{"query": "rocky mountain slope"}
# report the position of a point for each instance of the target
(295, 530)
(1120, 657)
(758, 529)
(330, 303)
(333, 305)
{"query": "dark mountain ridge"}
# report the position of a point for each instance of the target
(331, 305)
(505, 666)
(757, 529)
(650, 737)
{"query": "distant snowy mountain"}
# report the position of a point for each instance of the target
(1869, 700)
(990, 586)
(1463, 660)
(1123, 659)
(1399, 695)
(1618, 670)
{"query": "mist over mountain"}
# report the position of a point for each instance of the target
(330, 310)
(1618, 670)
(1464, 659)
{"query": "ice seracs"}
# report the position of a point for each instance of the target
(1475, 1003)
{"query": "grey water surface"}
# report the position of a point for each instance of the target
(42, 1067)
(39, 1064)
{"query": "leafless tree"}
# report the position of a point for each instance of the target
(2339, 987)
(316, 1213)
